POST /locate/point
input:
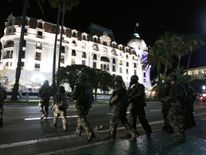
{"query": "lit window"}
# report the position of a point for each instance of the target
(39, 45)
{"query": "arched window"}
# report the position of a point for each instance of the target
(94, 57)
(9, 43)
(105, 59)
(73, 53)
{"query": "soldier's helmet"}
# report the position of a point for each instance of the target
(46, 82)
(61, 89)
(134, 78)
(83, 77)
(118, 78)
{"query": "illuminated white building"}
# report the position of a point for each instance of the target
(97, 49)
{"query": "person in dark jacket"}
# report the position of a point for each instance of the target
(136, 97)
(83, 106)
(119, 102)
(45, 92)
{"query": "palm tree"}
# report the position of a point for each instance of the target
(194, 42)
(62, 5)
(19, 62)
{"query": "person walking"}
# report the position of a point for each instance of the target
(45, 92)
(59, 107)
(119, 103)
(83, 97)
(176, 111)
(2, 98)
(136, 97)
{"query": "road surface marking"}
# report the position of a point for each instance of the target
(35, 141)
(38, 118)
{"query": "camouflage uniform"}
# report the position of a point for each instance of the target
(120, 103)
(2, 97)
(162, 94)
(136, 94)
(59, 107)
(175, 113)
(45, 92)
(82, 108)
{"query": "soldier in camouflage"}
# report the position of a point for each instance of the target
(59, 107)
(82, 108)
(119, 102)
(136, 92)
(162, 90)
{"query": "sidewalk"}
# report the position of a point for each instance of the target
(160, 144)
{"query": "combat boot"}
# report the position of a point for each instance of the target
(91, 136)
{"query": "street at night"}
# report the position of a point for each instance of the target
(25, 133)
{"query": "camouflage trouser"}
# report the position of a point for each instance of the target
(119, 115)
(62, 114)
(176, 119)
(82, 122)
(164, 110)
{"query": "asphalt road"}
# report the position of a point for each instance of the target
(24, 133)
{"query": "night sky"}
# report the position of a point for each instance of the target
(154, 17)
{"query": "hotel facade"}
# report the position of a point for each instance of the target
(96, 49)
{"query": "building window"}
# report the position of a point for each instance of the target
(62, 59)
(84, 37)
(8, 54)
(9, 44)
(37, 66)
(120, 70)
(94, 57)
(135, 72)
(114, 61)
(84, 55)
(114, 68)
(83, 62)
(38, 56)
(127, 71)
(144, 74)
(120, 62)
(40, 25)
(95, 40)
(39, 34)
(127, 56)
(94, 65)
(73, 53)
(135, 65)
(62, 49)
(73, 61)
(7, 64)
(39, 45)
(95, 47)
(127, 64)
(74, 34)
(105, 43)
